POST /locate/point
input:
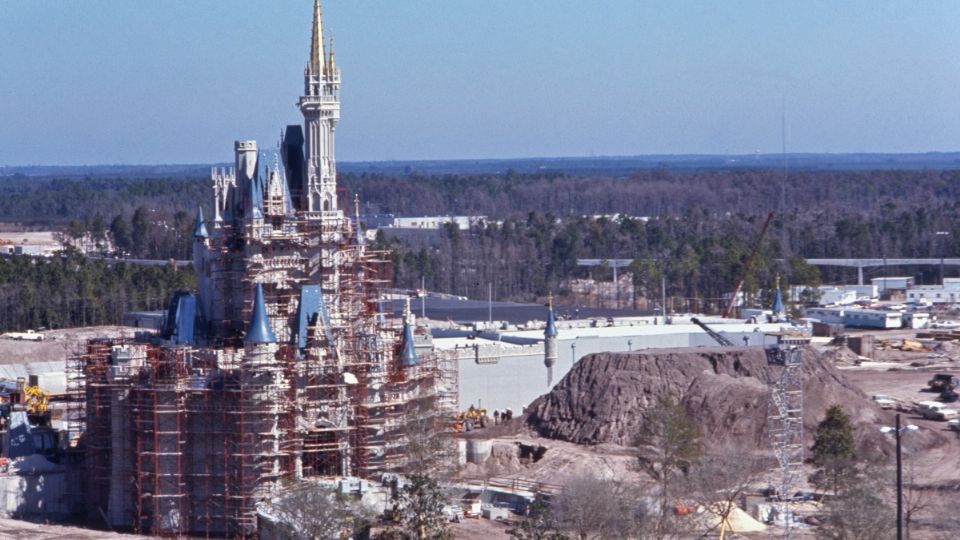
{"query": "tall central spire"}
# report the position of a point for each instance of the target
(317, 53)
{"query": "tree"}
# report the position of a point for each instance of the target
(719, 481)
(915, 499)
(861, 511)
(539, 523)
(834, 451)
(419, 507)
(595, 508)
(316, 512)
(669, 444)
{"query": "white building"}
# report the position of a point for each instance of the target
(435, 222)
(892, 283)
(834, 295)
(948, 293)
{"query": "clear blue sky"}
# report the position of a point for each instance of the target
(176, 81)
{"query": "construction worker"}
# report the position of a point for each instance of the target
(496, 416)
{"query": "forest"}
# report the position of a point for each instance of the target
(695, 227)
(72, 291)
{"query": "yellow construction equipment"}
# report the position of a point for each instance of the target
(35, 400)
(472, 418)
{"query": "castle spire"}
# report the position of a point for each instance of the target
(358, 238)
(333, 58)
(551, 330)
(200, 229)
(408, 356)
(259, 330)
(317, 53)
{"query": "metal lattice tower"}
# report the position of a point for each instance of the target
(785, 420)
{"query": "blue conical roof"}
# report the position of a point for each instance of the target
(551, 329)
(259, 330)
(409, 355)
(778, 303)
(200, 230)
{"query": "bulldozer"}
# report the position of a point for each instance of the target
(471, 419)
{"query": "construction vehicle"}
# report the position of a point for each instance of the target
(747, 264)
(724, 342)
(471, 419)
(943, 381)
(35, 400)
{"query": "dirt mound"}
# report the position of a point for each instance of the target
(605, 397)
(841, 356)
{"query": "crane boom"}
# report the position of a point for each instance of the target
(746, 266)
(714, 334)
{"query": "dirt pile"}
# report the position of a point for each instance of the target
(606, 398)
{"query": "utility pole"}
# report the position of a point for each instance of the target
(900, 479)
(490, 302)
(897, 433)
(663, 292)
(942, 235)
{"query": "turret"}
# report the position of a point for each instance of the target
(200, 236)
(550, 341)
(259, 331)
(245, 153)
(320, 105)
(778, 308)
(200, 228)
(408, 356)
(358, 236)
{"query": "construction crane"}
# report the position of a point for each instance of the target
(746, 267)
(724, 342)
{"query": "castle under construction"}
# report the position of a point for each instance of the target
(281, 366)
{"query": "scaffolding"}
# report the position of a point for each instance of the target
(785, 419)
(186, 439)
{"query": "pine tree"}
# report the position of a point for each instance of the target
(834, 451)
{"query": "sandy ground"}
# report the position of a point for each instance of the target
(12, 529)
(57, 345)
(479, 529)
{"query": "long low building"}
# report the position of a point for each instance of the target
(506, 369)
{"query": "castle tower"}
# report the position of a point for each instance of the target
(320, 106)
(200, 236)
(408, 356)
(550, 342)
(779, 310)
(358, 237)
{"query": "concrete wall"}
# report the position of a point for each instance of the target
(519, 375)
(44, 496)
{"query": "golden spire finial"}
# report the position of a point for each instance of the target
(333, 60)
(356, 204)
(317, 54)
(550, 300)
(776, 280)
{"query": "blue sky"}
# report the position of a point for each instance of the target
(176, 81)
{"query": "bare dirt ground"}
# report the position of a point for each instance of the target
(13, 529)
(479, 529)
(57, 345)
(931, 455)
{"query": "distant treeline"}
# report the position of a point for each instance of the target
(654, 192)
(72, 291)
(698, 227)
